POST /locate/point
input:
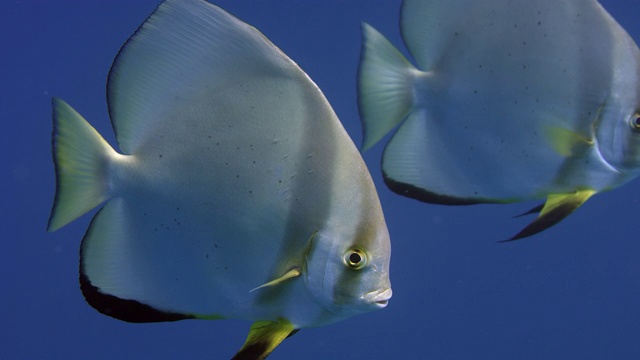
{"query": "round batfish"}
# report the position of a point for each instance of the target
(511, 101)
(238, 193)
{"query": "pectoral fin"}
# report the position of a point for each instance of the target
(566, 142)
(556, 208)
(290, 274)
(263, 337)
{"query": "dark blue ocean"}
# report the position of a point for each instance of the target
(571, 292)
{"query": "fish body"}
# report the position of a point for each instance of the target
(509, 101)
(237, 194)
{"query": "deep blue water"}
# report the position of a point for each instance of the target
(572, 292)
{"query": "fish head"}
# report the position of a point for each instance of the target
(349, 274)
(618, 138)
(618, 127)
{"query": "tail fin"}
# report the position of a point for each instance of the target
(385, 86)
(81, 156)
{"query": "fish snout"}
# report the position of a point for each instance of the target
(379, 298)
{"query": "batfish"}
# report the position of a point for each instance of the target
(509, 101)
(236, 193)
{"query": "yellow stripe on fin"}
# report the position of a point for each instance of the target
(263, 337)
(556, 208)
(290, 274)
(565, 142)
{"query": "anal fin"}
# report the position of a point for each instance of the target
(263, 337)
(556, 208)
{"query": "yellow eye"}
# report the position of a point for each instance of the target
(635, 122)
(355, 259)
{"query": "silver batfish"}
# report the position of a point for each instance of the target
(510, 101)
(237, 192)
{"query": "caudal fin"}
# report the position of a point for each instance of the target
(385, 86)
(80, 156)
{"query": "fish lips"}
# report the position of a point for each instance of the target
(378, 298)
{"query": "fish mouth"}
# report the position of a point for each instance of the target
(379, 298)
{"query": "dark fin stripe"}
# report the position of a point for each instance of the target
(125, 310)
(543, 222)
(535, 210)
(426, 196)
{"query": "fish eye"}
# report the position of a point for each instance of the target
(355, 259)
(635, 122)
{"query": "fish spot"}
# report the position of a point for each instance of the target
(160, 156)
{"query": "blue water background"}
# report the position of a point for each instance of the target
(572, 292)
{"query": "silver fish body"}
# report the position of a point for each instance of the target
(510, 101)
(238, 194)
